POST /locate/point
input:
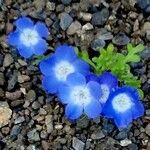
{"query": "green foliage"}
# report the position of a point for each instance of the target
(117, 63)
(37, 59)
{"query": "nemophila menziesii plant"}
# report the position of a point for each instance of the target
(59, 65)
(28, 38)
(102, 86)
(80, 96)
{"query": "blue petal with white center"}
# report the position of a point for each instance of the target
(63, 63)
(123, 106)
(108, 82)
(80, 97)
(28, 38)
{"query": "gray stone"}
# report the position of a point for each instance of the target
(145, 54)
(16, 129)
(87, 27)
(36, 105)
(97, 44)
(66, 1)
(33, 135)
(103, 34)
(148, 112)
(12, 81)
(121, 135)
(49, 123)
(83, 122)
(31, 95)
(98, 135)
(85, 16)
(144, 4)
(2, 79)
(121, 39)
(147, 129)
(5, 113)
(65, 21)
(125, 142)
(77, 144)
(74, 27)
(50, 6)
(8, 60)
(19, 120)
(99, 18)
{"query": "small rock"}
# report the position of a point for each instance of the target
(121, 135)
(99, 18)
(58, 127)
(19, 120)
(66, 1)
(83, 122)
(45, 145)
(132, 147)
(125, 142)
(12, 81)
(50, 6)
(65, 21)
(31, 95)
(144, 4)
(147, 129)
(2, 79)
(36, 105)
(87, 27)
(98, 135)
(5, 113)
(103, 34)
(121, 39)
(8, 60)
(85, 16)
(33, 135)
(49, 123)
(23, 78)
(74, 27)
(77, 144)
(22, 62)
(1, 59)
(16, 129)
(145, 54)
(13, 95)
(97, 44)
(148, 112)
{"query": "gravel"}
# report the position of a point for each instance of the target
(77, 144)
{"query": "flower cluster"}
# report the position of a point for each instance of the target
(82, 92)
(69, 77)
(29, 38)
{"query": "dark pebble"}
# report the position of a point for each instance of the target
(97, 44)
(99, 18)
(65, 21)
(145, 5)
(121, 135)
(1, 59)
(15, 131)
(121, 39)
(12, 81)
(132, 147)
(66, 1)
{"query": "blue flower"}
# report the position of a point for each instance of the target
(28, 38)
(107, 82)
(59, 65)
(123, 106)
(80, 97)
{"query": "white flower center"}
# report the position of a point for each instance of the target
(81, 95)
(105, 93)
(122, 102)
(29, 37)
(63, 69)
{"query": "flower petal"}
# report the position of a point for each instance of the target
(75, 79)
(50, 84)
(24, 22)
(46, 66)
(24, 51)
(13, 38)
(65, 52)
(95, 89)
(73, 111)
(40, 47)
(64, 93)
(81, 66)
(92, 77)
(93, 109)
(109, 79)
(123, 120)
(41, 29)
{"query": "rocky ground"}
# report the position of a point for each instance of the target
(32, 120)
